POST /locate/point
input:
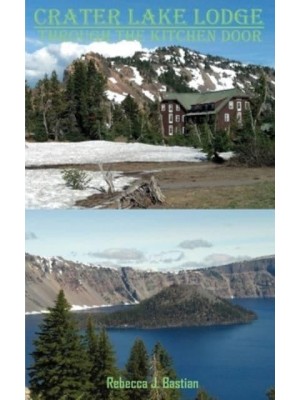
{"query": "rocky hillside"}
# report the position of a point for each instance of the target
(177, 306)
(146, 75)
(89, 285)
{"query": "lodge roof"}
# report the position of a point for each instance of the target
(189, 99)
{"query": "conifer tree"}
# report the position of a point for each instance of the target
(60, 365)
(137, 369)
(163, 366)
(29, 115)
(133, 121)
(57, 107)
(102, 364)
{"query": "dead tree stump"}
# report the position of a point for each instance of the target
(139, 195)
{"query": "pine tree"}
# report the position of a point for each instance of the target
(95, 98)
(104, 366)
(29, 114)
(42, 104)
(60, 367)
(137, 369)
(132, 128)
(163, 367)
(91, 341)
(157, 392)
(57, 107)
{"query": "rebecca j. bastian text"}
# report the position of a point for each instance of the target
(166, 383)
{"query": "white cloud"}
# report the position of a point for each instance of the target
(59, 56)
(119, 254)
(194, 244)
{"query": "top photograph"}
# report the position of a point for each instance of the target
(150, 105)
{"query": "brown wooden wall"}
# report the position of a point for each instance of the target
(220, 119)
(165, 117)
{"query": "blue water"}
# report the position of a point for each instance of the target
(231, 362)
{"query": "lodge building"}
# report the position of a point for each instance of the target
(220, 108)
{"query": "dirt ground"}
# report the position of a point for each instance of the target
(200, 185)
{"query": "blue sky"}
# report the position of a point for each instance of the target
(40, 54)
(151, 239)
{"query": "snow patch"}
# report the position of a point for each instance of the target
(95, 152)
(223, 82)
(161, 70)
(146, 56)
(177, 71)
(197, 78)
(117, 97)
(138, 79)
(149, 94)
(163, 88)
(45, 188)
(241, 85)
(182, 56)
(84, 307)
(37, 312)
(113, 80)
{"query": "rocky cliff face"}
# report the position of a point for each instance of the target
(89, 285)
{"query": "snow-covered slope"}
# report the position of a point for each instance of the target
(146, 74)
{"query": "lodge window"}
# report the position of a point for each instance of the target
(231, 105)
(170, 118)
(170, 107)
(183, 130)
(177, 118)
(170, 129)
(163, 107)
(239, 105)
(247, 105)
(226, 117)
(182, 119)
(239, 117)
(177, 107)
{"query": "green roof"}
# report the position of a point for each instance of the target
(188, 99)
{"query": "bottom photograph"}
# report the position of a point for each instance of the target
(150, 305)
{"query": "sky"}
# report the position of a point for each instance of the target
(151, 239)
(44, 54)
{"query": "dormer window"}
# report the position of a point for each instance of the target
(231, 105)
(177, 107)
(163, 107)
(239, 105)
(170, 107)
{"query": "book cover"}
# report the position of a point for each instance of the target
(149, 146)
